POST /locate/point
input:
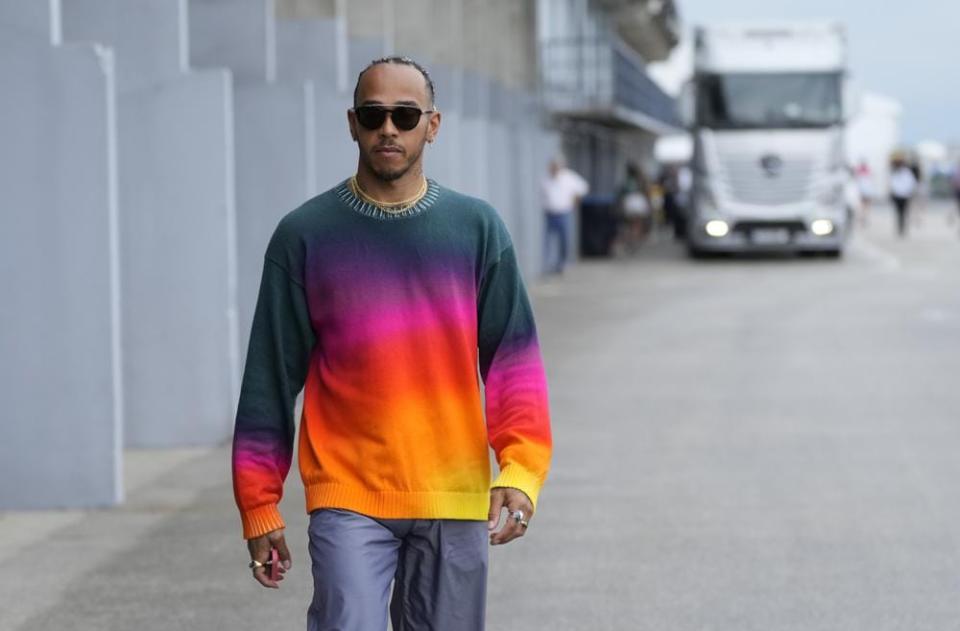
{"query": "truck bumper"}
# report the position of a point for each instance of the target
(766, 236)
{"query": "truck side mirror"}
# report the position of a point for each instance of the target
(687, 105)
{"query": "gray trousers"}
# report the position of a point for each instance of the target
(438, 568)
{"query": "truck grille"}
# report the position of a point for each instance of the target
(750, 183)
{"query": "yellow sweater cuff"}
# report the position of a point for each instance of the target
(261, 520)
(516, 477)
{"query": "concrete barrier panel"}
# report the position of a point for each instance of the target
(307, 49)
(274, 129)
(276, 172)
(443, 158)
(473, 135)
(529, 221)
(501, 163)
(149, 36)
(361, 51)
(60, 379)
(235, 34)
(177, 224)
(36, 20)
(336, 151)
(179, 283)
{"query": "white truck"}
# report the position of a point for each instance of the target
(766, 109)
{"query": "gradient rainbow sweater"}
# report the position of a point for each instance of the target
(383, 319)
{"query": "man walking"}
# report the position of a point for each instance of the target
(380, 298)
(903, 186)
(561, 191)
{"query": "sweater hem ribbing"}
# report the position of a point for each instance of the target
(473, 506)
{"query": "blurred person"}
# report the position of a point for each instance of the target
(918, 205)
(955, 185)
(863, 176)
(562, 190)
(669, 182)
(636, 206)
(685, 190)
(903, 186)
(382, 296)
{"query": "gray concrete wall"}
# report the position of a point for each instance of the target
(307, 50)
(177, 225)
(361, 50)
(310, 49)
(493, 37)
(276, 172)
(38, 20)
(148, 35)
(60, 379)
(274, 127)
(235, 34)
(443, 159)
(474, 135)
(501, 163)
(336, 151)
(524, 133)
(178, 230)
(306, 9)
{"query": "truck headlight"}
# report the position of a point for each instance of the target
(821, 227)
(717, 228)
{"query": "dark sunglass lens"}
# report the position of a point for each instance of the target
(371, 117)
(405, 117)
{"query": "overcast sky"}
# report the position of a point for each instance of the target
(908, 50)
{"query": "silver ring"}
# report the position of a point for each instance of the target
(517, 516)
(524, 524)
(254, 564)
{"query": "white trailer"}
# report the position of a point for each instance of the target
(766, 109)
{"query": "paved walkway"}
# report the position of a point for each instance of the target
(740, 445)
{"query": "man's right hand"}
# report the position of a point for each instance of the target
(260, 551)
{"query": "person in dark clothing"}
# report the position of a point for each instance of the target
(669, 182)
(903, 186)
(955, 183)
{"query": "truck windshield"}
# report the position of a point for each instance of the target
(764, 101)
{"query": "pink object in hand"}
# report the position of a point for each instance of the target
(274, 564)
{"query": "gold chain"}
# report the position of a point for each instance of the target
(390, 207)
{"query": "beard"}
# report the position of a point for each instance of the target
(390, 175)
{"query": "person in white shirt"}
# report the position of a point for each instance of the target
(561, 191)
(903, 186)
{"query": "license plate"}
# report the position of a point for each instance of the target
(770, 236)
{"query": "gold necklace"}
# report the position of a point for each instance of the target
(390, 207)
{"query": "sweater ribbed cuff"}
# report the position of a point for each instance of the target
(261, 520)
(516, 477)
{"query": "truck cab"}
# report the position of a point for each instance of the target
(767, 115)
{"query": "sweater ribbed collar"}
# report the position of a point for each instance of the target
(355, 203)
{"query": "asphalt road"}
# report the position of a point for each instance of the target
(761, 444)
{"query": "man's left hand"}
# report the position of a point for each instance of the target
(513, 500)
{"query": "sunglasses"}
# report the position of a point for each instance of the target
(404, 117)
